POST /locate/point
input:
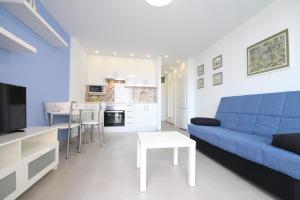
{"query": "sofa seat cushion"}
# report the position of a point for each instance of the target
(282, 161)
(217, 136)
(251, 147)
(242, 144)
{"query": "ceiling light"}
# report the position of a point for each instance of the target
(166, 72)
(132, 54)
(159, 3)
(115, 53)
(171, 67)
(148, 56)
(166, 56)
(96, 52)
(178, 61)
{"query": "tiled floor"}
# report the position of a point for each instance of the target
(110, 173)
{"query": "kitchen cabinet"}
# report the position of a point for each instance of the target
(141, 73)
(114, 67)
(142, 115)
(96, 70)
(136, 72)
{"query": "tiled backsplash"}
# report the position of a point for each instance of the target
(115, 91)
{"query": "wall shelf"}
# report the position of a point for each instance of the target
(22, 10)
(14, 44)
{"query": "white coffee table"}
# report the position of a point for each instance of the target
(154, 140)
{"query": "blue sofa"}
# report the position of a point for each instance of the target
(247, 125)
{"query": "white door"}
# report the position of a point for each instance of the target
(182, 102)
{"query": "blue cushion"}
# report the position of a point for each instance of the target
(272, 104)
(251, 147)
(282, 161)
(217, 136)
(289, 125)
(292, 105)
(246, 123)
(251, 104)
(228, 120)
(266, 126)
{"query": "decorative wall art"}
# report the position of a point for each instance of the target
(269, 54)
(218, 78)
(200, 70)
(217, 62)
(200, 83)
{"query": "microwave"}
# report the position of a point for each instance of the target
(96, 89)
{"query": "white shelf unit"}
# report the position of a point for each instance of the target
(31, 18)
(14, 44)
(25, 158)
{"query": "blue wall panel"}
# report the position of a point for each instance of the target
(45, 74)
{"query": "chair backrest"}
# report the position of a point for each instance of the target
(59, 108)
(90, 112)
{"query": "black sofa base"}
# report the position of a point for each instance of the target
(272, 181)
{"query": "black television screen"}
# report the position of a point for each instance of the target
(12, 108)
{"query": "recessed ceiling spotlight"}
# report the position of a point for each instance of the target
(166, 72)
(115, 53)
(148, 56)
(132, 54)
(171, 67)
(96, 52)
(178, 61)
(166, 56)
(159, 3)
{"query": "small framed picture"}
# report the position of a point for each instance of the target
(200, 83)
(218, 78)
(200, 70)
(217, 62)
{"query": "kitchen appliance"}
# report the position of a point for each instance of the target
(12, 108)
(114, 116)
(96, 89)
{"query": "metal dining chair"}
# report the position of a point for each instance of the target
(91, 115)
(53, 110)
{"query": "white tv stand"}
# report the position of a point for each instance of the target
(25, 158)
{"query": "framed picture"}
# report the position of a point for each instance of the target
(200, 70)
(218, 78)
(217, 62)
(269, 54)
(200, 83)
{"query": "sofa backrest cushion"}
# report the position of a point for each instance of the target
(262, 114)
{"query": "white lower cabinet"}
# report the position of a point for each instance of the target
(25, 159)
(142, 115)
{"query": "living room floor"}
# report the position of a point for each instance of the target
(110, 173)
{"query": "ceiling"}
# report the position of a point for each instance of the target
(181, 29)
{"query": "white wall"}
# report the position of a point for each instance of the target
(164, 104)
(278, 16)
(78, 71)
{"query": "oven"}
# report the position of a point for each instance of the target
(114, 116)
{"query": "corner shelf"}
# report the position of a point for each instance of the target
(14, 44)
(22, 10)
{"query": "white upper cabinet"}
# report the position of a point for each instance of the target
(96, 70)
(114, 67)
(136, 72)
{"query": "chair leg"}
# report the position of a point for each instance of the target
(92, 133)
(68, 144)
(79, 139)
(102, 132)
(100, 137)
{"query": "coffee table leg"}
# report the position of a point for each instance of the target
(175, 156)
(138, 156)
(192, 163)
(143, 172)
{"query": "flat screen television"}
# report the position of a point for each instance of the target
(12, 108)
